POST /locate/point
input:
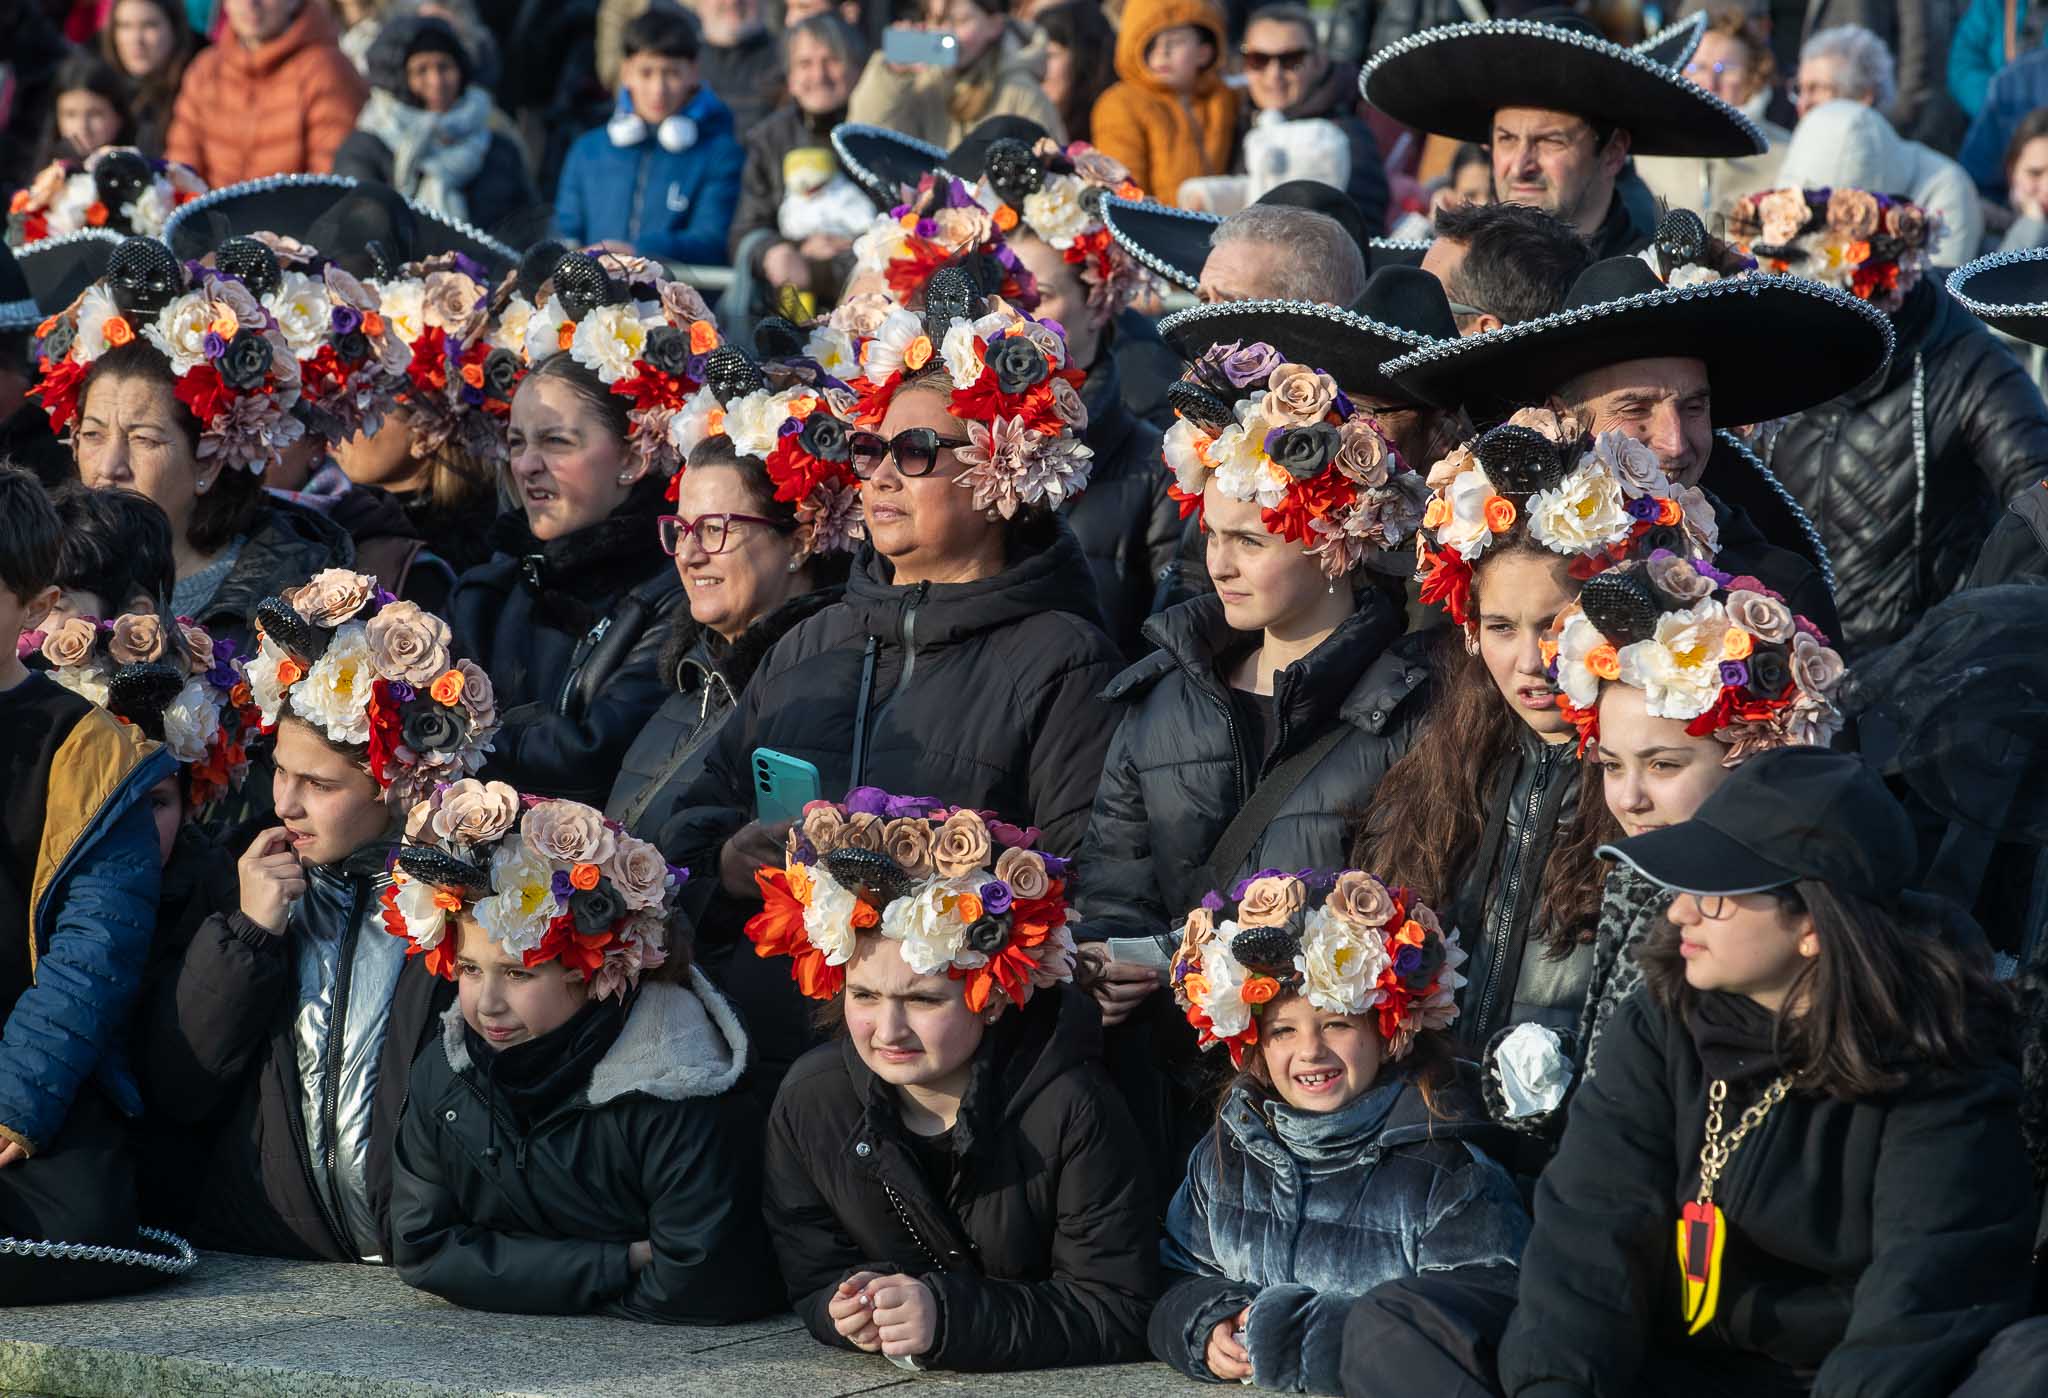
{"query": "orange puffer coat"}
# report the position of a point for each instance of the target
(1162, 136)
(284, 106)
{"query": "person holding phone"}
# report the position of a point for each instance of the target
(936, 92)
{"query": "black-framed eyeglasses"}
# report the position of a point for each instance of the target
(1718, 907)
(714, 532)
(915, 451)
(1290, 60)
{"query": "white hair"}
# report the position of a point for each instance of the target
(1868, 71)
(1322, 262)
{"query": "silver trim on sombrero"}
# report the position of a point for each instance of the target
(28, 251)
(20, 315)
(1551, 33)
(1350, 319)
(859, 169)
(1991, 262)
(1146, 258)
(1785, 498)
(1675, 39)
(1400, 244)
(267, 183)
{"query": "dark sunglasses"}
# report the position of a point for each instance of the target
(713, 532)
(915, 451)
(1291, 60)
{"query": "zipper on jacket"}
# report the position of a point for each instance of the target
(917, 598)
(903, 1216)
(582, 653)
(1511, 887)
(518, 1155)
(303, 1149)
(1240, 764)
(337, 1029)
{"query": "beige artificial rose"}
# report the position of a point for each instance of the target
(344, 289)
(963, 230)
(1816, 668)
(682, 305)
(1762, 617)
(1359, 897)
(961, 846)
(1854, 213)
(1679, 580)
(455, 304)
(909, 842)
(1297, 396)
(1066, 401)
(1743, 225)
(863, 831)
(138, 639)
(198, 645)
(475, 813)
(1270, 901)
(408, 644)
(1907, 223)
(1452, 465)
(1784, 213)
(72, 643)
(331, 597)
(1199, 927)
(1096, 168)
(1555, 422)
(568, 832)
(1024, 871)
(479, 701)
(419, 823)
(638, 871)
(1363, 455)
(824, 827)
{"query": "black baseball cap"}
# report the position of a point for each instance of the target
(1785, 815)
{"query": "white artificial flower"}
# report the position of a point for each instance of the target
(1692, 274)
(335, 694)
(1183, 456)
(191, 720)
(608, 341)
(1679, 668)
(402, 303)
(832, 350)
(962, 363)
(522, 900)
(95, 309)
(691, 424)
(828, 919)
(1340, 969)
(150, 209)
(543, 333)
(882, 244)
(301, 310)
(1224, 1004)
(264, 685)
(1242, 470)
(425, 919)
(883, 355)
(508, 332)
(1579, 639)
(927, 929)
(68, 209)
(180, 332)
(1467, 530)
(753, 422)
(88, 682)
(1055, 212)
(1582, 515)
(1532, 1069)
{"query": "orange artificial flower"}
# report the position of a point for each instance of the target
(447, 689)
(18, 202)
(803, 406)
(1857, 252)
(1438, 514)
(1737, 644)
(714, 422)
(117, 330)
(447, 902)
(473, 375)
(799, 879)
(864, 915)
(969, 907)
(1500, 514)
(703, 337)
(918, 353)
(565, 335)
(373, 324)
(225, 324)
(1604, 662)
(1259, 989)
(289, 673)
(96, 214)
(241, 695)
(1195, 985)
(1669, 511)
(1547, 648)
(1412, 934)
(1005, 218)
(583, 877)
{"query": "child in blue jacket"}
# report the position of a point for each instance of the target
(663, 175)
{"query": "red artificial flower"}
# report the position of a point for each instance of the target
(1189, 504)
(577, 951)
(429, 368)
(440, 958)
(387, 732)
(1447, 582)
(798, 474)
(201, 391)
(872, 401)
(35, 227)
(1733, 707)
(59, 389)
(921, 261)
(650, 388)
(778, 930)
(1032, 920)
(1306, 501)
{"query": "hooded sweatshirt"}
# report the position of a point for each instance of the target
(279, 108)
(1167, 137)
(1846, 145)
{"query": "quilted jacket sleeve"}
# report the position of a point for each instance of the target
(1119, 895)
(1198, 1294)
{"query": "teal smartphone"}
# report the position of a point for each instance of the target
(783, 786)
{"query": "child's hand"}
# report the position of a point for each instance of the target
(1119, 987)
(639, 1255)
(271, 880)
(1227, 1359)
(852, 1314)
(906, 1313)
(12, 1153)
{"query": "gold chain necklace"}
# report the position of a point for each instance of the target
(1700, 1226)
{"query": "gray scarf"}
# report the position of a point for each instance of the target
(434, 155)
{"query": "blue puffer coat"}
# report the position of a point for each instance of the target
(672, 204)
(1299, 1214)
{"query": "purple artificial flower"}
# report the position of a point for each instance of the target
(1213, 902)
(908, 807)
(1709, 571)
(1055, 867)
(1734, 674)
(867, 800)
(471, 395)
(790, 427)
(693, 367)
(899, 211)
(1272, 442)
(1406, 959)
(995, 897)
(1050, 323)
(1343, 405)
(214, 345)
(1010, 836)
(383, 597)
(471, 268)
(926, 228)
(805, 852)
(1253, 363)
(561, 887)
(222, 675)
(677, 876)
(1645, 508)
(345, 320)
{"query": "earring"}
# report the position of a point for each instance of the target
(200, 486)
(625, 478)
(1332, 589)
(795, 563)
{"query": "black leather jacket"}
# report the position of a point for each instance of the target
(1126, 524)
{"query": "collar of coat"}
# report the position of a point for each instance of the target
(1051, 578)
(694, 651)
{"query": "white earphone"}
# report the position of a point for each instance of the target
(676, 134)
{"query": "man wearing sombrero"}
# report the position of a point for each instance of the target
(1562, 110)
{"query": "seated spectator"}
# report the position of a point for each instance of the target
(2026, 180)
(1978, 49)
(1080, 61)
(1277, 252)
(2016, 92)
(90, 109)
(151, 42)
(1171, 117)
(1734, 62)
(275, 96)
(740, 58)
(80, 904)
(1001, 67)
(795, 12)
(992, 1222)
(662, 177)
(638, 1179)
(799, 231)
(1289, 79)
(1848, 143)
(427, 129)
(1502, 264)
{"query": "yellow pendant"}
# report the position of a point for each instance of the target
(1700, 1239)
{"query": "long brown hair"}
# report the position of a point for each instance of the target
(1886, 995)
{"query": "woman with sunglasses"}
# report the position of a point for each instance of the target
(965, 662)
(1734, 63)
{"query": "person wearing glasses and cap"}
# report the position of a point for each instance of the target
(1799, 1167)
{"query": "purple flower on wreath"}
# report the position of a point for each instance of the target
(214, 345)
(677, 876)
(471, 395)
(805, 852)
(1734, 674)
(790, 427)
(1406, 960)
(1213, 902)
(1055, 867)
(1645, 507)
(561, 887)
(867, 800)
(926, 228)
(402, 692)
(345, 320)
(1010, 836)
(1343, 405)
(996, 897)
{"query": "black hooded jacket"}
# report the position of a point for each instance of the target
(287, 545)
(1125, 522)
(1904, 535)
(570, 632)
(1040, 1243)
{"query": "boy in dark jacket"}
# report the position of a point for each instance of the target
(662, 177)
(78, 888)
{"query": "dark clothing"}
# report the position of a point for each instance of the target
(1335, 100)
(27, 441)
(569, 631)
(79, 1188)
(766, 142)
(498, 196)
(461, 535)
(1873, 1245)
(1127, 526)
(747, 76)
(705, 674)
(389, 546)
(1040, 1242)
(1299, 1215)
(1766, 534)
(288, 545)
(2017, 550)
(1145, 368)
(1905, 476)
(1631, 219)
(533, 1212)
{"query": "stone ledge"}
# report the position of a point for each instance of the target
(247, 1327)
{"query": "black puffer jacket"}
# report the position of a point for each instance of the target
(1902, 537)
(1765, 533)
(707, 674)
(537, 1217)
(1875, 1244)
(1041, 1246)
(787, 128)
(570, 632)
(1126, 525)
(2017, 550)
(288, 545)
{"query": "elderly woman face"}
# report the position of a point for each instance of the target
(918, 516)
(1722, 65)
(1824, 78)
(132, 434)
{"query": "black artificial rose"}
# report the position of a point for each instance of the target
(986, 935)
(667, 351)
(596, 909)
(1668, 537)
(1768, 673)
(824, 436)
(501, 374)
(58, 342)
(1428, 960)
(353, 348)
(1305, 451)
(429, 727)
(1019, 365)
(246, 362)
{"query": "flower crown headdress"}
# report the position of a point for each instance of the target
(1323, 472)
(1366, 945)
(962, 892)
(116, 188)
(235, 371)
(366, 669)
(945, 225)
(644, 336)
(1723, 655)
(458, 381)
(177, 684)
(1873, 246)
(1597, 501)
(547, 880)
(790, 413)
(1056, 195)
(1010, 387)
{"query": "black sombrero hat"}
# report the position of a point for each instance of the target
(2008, 291)
(884, 163)
(1174, 243)
(1674, 44)
(1403, 309)
(1451, 80)
(1773, 345)
(336, 215)
(18, 307)
(58, 269)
